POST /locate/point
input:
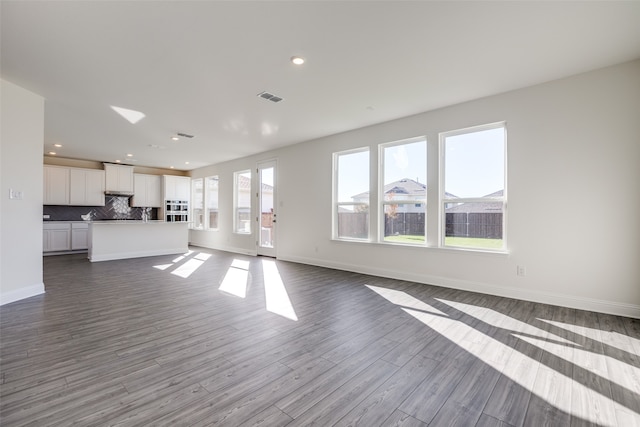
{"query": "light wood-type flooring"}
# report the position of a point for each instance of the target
(213, 338)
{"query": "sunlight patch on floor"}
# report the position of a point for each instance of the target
(276, 296)
(236, 279)
(187, 269)
(592, 403)
(612, 338)
(499, 320)
(404, 299)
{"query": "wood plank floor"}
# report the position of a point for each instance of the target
(155, 341)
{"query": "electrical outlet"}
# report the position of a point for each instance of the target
(521, 270)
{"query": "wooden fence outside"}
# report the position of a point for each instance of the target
(487, 225)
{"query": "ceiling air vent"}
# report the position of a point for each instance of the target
(269, 96)
(184, 135)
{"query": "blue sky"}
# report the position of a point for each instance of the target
(474, 165)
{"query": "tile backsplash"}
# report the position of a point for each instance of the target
(115, 207)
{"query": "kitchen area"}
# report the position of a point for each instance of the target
(112, 212)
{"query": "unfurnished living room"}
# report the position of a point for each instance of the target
(294, 213)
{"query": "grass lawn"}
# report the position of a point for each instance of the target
(461, 242)
(471, 242)
(416, 240)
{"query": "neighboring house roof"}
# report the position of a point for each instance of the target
(245, 184)
(404, 186)
(484, 207)
(410, 187)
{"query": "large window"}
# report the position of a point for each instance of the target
(211, 200)
(473, 184)
(351, 194)
(242, 202)
(197, 204)
(403, 174)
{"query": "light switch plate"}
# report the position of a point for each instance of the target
(15, 194)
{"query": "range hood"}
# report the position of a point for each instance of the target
(118, 193)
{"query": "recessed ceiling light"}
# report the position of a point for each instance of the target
(170, 167)
(132, 116)
(53, 153)
(175, 138)
(186, 163)
(129, 155)
(117, 161)
(57, 145)
(297, 60)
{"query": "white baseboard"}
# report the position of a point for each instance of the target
(22, 293)
(224, 248)
(581, 303)
(137, 254)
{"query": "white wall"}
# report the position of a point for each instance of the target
(21, 143)
(573, 197)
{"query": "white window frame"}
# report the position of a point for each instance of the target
(236, 176)
(193, 204)
(336, 204)
(207, 215)
(442, 194)
(381, 196)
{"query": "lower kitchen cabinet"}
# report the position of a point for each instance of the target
(65, 236)
(56, 237)
(79, 236)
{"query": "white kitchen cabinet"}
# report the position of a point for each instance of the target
(86, 187)
(147, 191)
(56, 236)
(119, 178)
(56, 185)
(79, 236)
(177, 188)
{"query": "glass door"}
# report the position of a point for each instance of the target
(267, 214)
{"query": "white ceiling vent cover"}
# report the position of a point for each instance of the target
(269, 96)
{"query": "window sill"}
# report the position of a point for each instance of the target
(452, 249)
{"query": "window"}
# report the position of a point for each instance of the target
(197, 203)
(403, 174)
(242, 202)
(473, 187)
(211, 199)
(351, 194)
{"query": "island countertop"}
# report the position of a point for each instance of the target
(132, 221)
(120, 239)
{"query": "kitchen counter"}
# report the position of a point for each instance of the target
(109, 240)
(129, 221)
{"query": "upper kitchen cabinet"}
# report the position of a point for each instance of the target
(147, 191)
(119, 179)
(86, 187)
(56, 185)
(177, 188)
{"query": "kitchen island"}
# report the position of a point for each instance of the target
(109, 240)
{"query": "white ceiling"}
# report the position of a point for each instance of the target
(196, 67)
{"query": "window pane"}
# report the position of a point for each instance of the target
(474, 225)
(197, 202)
(353, 221)
(213, 219)
(212, 201)
(353, 177)
(242, 201)
(404, 223)
(474, 163)
(404, 194)
(406, 162)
